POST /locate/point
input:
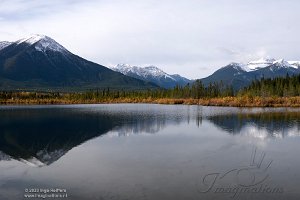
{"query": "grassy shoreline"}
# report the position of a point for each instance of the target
(220, 101)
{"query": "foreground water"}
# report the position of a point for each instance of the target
(142, 151)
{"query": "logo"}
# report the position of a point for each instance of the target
(250, 179)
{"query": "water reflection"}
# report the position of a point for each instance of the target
(262, 125)
(39, 137)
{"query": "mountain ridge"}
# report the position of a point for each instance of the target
(153, 74)
(239, 75)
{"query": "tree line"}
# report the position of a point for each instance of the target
(288, 86)
(278, 87)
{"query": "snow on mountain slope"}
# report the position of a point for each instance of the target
(238, 66)
(42, 43)
(4, 44)
(261, 63)
(152, 74)
(294, 63)
(31, 39)
(284, 64)
(142, 71)
(266, 62)
(253, 65)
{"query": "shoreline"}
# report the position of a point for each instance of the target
(219, 101)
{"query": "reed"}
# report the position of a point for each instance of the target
(243, 101)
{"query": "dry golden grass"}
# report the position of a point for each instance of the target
(225, 101)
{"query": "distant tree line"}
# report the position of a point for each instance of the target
(277, 87)
(288, 86)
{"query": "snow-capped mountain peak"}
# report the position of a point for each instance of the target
(42, 43)
(238, 66)
(281, 63)
(123, 65)
(155, 71)
(265, 62)
(31, 39)
(260, 63)
(240, 75)
(294, 63)
(151, 73)
(142, 71)
(4, 44)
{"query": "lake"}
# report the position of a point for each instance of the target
(148, 151)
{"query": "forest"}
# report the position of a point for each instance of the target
(281, 91)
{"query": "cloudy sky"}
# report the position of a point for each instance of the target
(192, 37)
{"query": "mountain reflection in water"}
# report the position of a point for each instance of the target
(39, 137)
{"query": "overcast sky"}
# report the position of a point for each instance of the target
(191, 38)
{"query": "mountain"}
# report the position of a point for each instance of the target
(39, 63)
(240, 75)
(152, 74)
(4, 44)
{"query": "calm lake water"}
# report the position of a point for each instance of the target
(143, 151)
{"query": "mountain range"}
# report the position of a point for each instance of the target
(152, 74)
(240, 75)
(237, 75)
(38, 62)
